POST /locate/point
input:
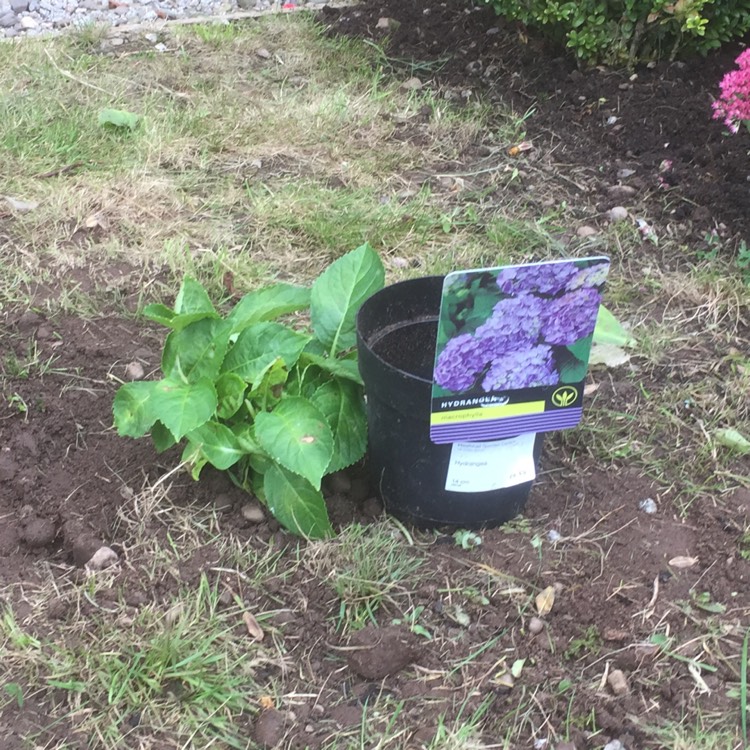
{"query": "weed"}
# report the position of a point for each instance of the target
(590, 643)
(366, 567)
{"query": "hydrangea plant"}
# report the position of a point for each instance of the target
(278, 406)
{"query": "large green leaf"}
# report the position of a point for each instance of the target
(297, 505)
(342, 404)
(338, 293)
(197, 351)
(609, 330)
(162, 437)
(297, 435)
(192, 298)
(132, 408)
(162, 314)
(183, 407)
(267, 304)
(230, 390)
(344, 368)
(259, 345)
(267, 388)
(218, 444)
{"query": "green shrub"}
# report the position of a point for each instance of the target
(627, 31)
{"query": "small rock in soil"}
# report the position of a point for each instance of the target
(647, 506)
(614, 745)
(264, 53)
(269, 727)
(618, 682)
(134, 371)
(39, 532)
(623, 174)
(103, 558)
(379, 652)
(565, 746)
(586, 231)
(621, 192)
(412, 84)
(253, 513)
(536, 625)
(618, 213)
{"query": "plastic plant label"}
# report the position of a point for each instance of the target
(493, 465)
(513, 347)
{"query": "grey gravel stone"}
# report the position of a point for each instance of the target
(8, 20)
(19, 6)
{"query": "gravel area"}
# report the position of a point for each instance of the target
(35, 17)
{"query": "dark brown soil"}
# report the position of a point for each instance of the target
(655, 121)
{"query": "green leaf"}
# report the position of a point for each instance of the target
(159, 314)
(342, 404)
(230, 390)
(183, 407)
(296, 504)
(267, 390)
(162, 437)
(218, 444)
(609, 330)
(267, 304)
(132, 408)
(118, 118)
(733, 439)
(192, 298)
(245, 436)
(297, 435)
(197, 351)
(338, 293)
(259, 345)
(344, 368)
(581, 348)
(192, 455)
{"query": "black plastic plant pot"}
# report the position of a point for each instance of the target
(396, 337)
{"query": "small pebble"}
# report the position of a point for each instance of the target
(586, 231)
(614, 745)
(536, 625)
(134, 370)
(618, 683)
(618, 213)
(553, 536)
(647, 506)
(412, 84)
(253, 513)
(103, 558)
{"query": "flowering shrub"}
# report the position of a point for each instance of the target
(537, 334)
(733, 106)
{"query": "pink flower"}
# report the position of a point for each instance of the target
(733, 106)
